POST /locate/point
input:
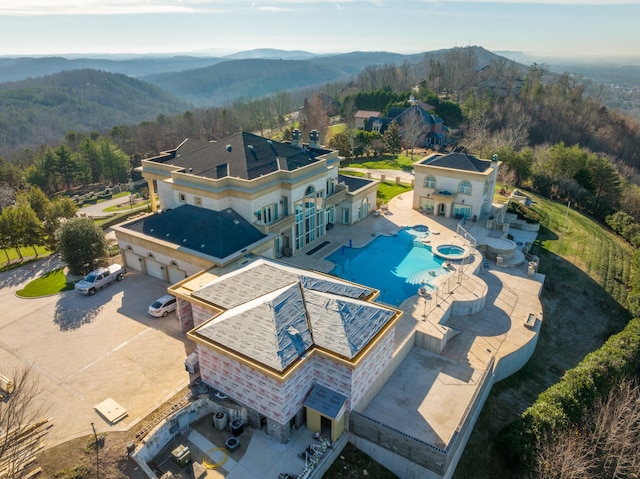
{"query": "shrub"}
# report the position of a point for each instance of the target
(566, 402)
(524, 213)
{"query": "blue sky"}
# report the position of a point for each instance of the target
(569, 28)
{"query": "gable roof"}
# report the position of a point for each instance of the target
(458, 161)
(215, 233)
(366, 114)
(275, 313)
(243, 155)
(402, 115)
(425, 116)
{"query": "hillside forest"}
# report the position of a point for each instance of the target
(551, 134)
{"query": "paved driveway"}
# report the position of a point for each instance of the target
(85, 349)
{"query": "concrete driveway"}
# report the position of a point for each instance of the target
(85, 349)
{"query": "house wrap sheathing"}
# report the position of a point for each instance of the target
(273, 338)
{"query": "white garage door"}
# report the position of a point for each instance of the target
(175, 275)
(154, 269)
(133, 260)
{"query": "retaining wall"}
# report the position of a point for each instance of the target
(410, 457)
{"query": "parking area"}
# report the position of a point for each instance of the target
(87, 349)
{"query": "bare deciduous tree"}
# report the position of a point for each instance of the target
(22, 417)
(605, 445)
(412, 129)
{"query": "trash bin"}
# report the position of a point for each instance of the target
(237, 427)
(232, 443)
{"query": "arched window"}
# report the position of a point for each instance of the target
(430, 182)
(464, 187)
(305, 229)
(364, 208)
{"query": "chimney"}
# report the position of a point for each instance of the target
(314, 138)
(295, 138)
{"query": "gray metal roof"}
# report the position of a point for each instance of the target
(275, 313)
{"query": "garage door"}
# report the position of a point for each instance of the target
(154, 269)
(133, 260)
(175, 275)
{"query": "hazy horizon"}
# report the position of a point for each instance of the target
(565, 29)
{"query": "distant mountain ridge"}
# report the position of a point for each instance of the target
(48, 97)
(42, 110)
(21, 68)
(271, 54)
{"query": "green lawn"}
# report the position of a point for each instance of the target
(588, 245)
(388, 190)
(125, 206)
(386, 162)
(51, 283)
(10, 255)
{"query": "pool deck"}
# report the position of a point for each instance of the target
(434, 389)
(429, 393)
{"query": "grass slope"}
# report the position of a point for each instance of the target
(585, 267)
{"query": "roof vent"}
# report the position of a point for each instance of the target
(250, 147)
(229, 148)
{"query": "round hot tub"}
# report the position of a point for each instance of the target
(450, 252)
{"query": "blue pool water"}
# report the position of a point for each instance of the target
(396, 265)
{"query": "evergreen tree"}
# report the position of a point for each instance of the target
(392, 139)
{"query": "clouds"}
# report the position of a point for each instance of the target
(140, 7)
(559, 27)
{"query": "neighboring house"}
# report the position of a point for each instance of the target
(362, 116)
(290, 346)
(455, 185)
(218, 201)
(425, 128)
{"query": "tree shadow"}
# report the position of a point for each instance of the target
(71, 314)
(28, 269)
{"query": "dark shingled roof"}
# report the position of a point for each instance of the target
(214, 233)
(353, 182)
(243, 155)
(459, 161)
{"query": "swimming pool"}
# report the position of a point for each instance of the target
(396, 265)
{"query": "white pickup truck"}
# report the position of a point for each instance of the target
(100, 278)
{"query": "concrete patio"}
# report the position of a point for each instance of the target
(428, 396)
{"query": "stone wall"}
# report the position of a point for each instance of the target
(393, 440)
(440, 461)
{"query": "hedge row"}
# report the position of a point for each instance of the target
(524, 213)
(566, 402)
